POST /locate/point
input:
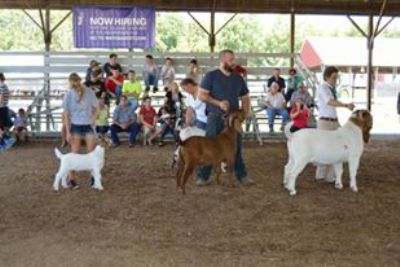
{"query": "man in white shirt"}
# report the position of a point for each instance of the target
(327, 103)
(276, 104)
(196, 111)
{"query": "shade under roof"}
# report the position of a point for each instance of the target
(354, 7)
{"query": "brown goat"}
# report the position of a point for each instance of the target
(198, 150)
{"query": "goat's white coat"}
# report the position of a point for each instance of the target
(188, 132)
(93, 162)
(318, 146)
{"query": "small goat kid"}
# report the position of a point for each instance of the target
(200, 151)
(345, 144)
(93, 162)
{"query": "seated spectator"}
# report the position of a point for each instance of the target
(148, 119)
(114, 84)
(194, 71)
(132, 89)
(102, 126)
(112, 64)
(276, 77)
(173, 97)
(92, 65)
(150, 74)
(293, 83)
(96, 83)
(196, 111)
(169, 113)
(124, 120)
(299, 115)
(275, 104)
(167, 73)
(304, 94)
(21, 126)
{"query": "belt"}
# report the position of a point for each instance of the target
(328, 119)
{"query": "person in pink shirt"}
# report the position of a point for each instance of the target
(299, 115)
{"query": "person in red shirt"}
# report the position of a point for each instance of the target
(114, 84)
(299, 115)
(148, 118)
(241, 71)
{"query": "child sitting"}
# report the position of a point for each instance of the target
(148, 118)
(299, 115)
(102, 126)
(20, 126)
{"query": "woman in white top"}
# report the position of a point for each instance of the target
(327, 103)
(275, 103)
(196, 110)
(167, 73)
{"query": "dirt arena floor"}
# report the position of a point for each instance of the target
(140, 219)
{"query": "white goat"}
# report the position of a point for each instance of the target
(345, 144)
(93, 162)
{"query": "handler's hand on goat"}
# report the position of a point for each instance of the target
(350, 106)
(224, 105)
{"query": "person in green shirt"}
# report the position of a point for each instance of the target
(102, 125)
(132, 89)
(292, 83)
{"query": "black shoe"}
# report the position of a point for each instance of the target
(147, 89)
(131, 144)
(155, 90)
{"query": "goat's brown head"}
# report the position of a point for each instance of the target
(235, 119)
(363, 119)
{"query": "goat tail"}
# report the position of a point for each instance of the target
(58, 153)
(287, 132)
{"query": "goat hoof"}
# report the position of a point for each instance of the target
(292, 192)
(55, 189)
(100, 188)
(339, 186)
(354, 189)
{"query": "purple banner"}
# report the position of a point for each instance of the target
(114, 27)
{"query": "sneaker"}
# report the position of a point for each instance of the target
(147, 89)
(73, 185)
(161, 143)
(247, 181)
(131, 144)
(201, 182)
(155, 90)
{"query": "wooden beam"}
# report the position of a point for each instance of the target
(357, 26)
(32, 19)
(384, 26)
(61, 22)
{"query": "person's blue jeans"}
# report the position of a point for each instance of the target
(272, 112)
(200, 124)
(215, 125)
(150, 79)
(118, 93)
(133, 131)
(133, 103)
